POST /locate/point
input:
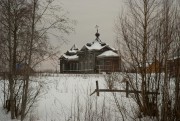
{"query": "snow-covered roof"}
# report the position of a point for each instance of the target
(174, 58)
(108, 53)
(147, 64)
(175, 55)
(72, 57)
(73, 50)
(97, 44)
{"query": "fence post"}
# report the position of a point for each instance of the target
(127, 88)
(97, 88)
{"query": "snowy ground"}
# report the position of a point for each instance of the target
(66, 97)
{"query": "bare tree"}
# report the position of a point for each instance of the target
(137, 33)
(147, 34)
(26, 43)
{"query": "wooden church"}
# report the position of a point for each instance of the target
(94, 57)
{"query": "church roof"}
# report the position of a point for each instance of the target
(72, 51)
(72, 57)
(95, 45)
(71, 54)
(108, 53)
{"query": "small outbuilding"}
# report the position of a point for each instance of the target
(152, 67)
(174, 63)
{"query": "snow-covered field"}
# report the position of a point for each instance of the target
(66, 97)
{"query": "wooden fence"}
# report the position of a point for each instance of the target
(127, 91)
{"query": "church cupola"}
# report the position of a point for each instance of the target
(97, 33)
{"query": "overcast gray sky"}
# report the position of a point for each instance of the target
(88, 14)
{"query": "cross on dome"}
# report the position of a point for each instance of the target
(97, 34)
